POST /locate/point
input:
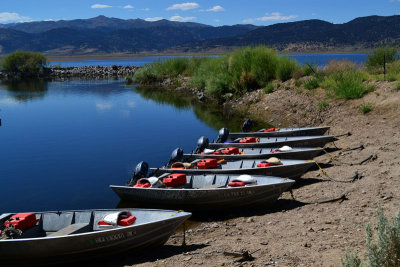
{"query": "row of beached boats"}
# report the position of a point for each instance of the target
(237, 170)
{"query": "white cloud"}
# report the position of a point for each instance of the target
(100, 6)
(184, 6)
(8, 17)
(214, 9)
(181, 19)
(275, 16)
(48, 20)
(103, 106)
(153, 19)
(217, 20)
(128, 6)
(145, 9)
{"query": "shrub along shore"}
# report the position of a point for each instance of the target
(252, 68)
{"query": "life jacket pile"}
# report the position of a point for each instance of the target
(268, 164)
(224, 151)
(175, 179)
(271, 130)
(248, 140)
(123, 218)
(22, 221)
(207, 164)
(242, 180)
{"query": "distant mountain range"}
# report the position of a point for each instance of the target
(103, 35)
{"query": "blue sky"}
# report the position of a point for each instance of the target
(222, 12)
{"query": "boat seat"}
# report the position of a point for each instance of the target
(202, 181)
(221, 180)
(71, 229)
(232, 165)
(248, 164)
(52, 222)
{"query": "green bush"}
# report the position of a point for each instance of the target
(347, 84)
(380, 55)
(286, 68)
(298, 83)
(385, 252)
(24, 62)
(311, 83)
(269, 88)
(366, 107)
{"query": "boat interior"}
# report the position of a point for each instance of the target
(55, 224)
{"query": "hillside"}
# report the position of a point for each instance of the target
(103, 35)
(360, 33)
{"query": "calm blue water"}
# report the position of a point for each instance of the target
(318, 59)
(64, 143)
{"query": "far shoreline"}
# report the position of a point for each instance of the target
(128, 56)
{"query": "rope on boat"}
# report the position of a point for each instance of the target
(172, 215)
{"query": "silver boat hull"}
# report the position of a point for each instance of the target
(283, 132)
(298, 141)
(152, 228)
(262, 153)
(265, 193)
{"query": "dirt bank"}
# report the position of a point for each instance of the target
(303, 232)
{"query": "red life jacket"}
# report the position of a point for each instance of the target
(122, 221)
(142, 183)
(266, 164)
(270, 130)
(22, 221)
(175, 179)
(207, 164)
(248, 140)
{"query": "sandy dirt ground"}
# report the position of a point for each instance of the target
(303, 231)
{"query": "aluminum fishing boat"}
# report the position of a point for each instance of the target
(207, 192)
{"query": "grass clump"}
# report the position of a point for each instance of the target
(366, 108)
(287, 67)
(385, 251)
(347, 84)
(269, 88)
(170, 68)
(323, 105)
(311, 83)
(24, 62)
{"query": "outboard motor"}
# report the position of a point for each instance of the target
(223, 135)
(202, 144)
(176, 156)
(141, 171)
(247, 125)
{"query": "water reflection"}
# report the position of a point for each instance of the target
(26, 90)
(213, 115)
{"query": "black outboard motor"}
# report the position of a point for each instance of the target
(141, 171)
(223, 135)
(176, 156)
(247, 125)
(202, 144)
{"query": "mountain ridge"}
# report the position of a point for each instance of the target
(103, 35)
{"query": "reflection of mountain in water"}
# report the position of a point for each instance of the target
(213, 115)
(25, 90)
